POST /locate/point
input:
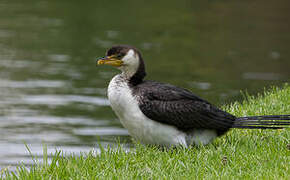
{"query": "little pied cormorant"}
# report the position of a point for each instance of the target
(162, 114)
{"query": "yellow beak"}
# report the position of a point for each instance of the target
(110, 60)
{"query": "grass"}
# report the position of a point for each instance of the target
(241, 154)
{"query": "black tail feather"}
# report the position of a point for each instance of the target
(263, 122)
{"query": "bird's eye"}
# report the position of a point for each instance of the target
(119, 56)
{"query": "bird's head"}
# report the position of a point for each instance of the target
(126, 58)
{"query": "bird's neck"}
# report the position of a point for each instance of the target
(134, 77)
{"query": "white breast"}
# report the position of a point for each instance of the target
(139, 126)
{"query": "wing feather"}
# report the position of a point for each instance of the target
(179, 107)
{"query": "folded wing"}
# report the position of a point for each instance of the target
(179, 107)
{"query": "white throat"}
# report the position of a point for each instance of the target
(130, 65)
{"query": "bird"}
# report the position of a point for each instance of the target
(164, 115)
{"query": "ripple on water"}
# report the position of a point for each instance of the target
(32, 84)
(18, 64)
(104, 131)
(59, 57)
(52, 99)
(5, 121)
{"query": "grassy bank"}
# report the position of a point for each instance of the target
(253, 154)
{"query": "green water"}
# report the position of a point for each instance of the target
(52, 93)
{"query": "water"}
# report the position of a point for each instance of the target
(51, 92)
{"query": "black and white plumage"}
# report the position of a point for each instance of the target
(166, 115)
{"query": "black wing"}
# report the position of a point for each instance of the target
(171, 105)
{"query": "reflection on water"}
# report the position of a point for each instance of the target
(51, 92)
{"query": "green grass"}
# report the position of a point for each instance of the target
(241, 154)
